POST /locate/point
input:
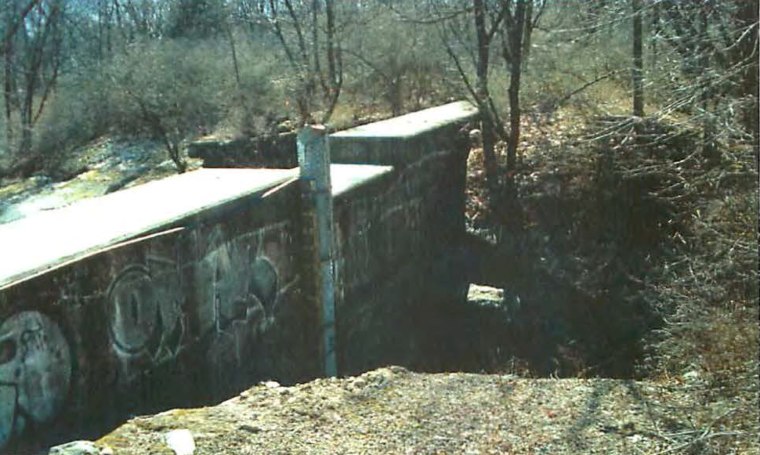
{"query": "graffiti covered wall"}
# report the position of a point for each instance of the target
(184, 291)
(187, 314)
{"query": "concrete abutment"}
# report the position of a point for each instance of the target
(191, 288)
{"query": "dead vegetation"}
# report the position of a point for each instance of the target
(660, 241)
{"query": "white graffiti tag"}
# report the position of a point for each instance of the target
(144, 318)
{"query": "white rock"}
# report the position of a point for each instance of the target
(636, 438)
(181, 442)
(485, 295)
(75, 448)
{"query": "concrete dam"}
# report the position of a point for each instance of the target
(199, 285)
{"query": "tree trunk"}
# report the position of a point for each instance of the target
(396, 95)
(30, 88)
(8, 92)
(747, 18)
(516, 44)
(654, 35)
(638, 61)
(334, 62)
(527, 34)
(487, 128)
(709, 147)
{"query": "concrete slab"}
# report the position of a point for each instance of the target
(346, 177)
(47, 240)
(402, 141)
(413, 124)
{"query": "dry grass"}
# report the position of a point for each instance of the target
(394, 411)
(699, 281)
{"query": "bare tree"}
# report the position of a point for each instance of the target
(32, 59)
(307, 33)
(402, 58)
(718, 46)
(638, 61)
(520, 21)
(492, 120)
(512, 22)
(454, 28)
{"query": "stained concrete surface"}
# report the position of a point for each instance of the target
(194, 287)
(49, 239)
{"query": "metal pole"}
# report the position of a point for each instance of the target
(314, 162)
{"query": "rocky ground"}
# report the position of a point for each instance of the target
(393, 410)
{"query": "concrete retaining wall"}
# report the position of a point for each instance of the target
(189, 289)
(394, 235)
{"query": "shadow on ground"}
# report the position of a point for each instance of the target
(543, 326)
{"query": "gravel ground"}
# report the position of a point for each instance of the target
(392, 410)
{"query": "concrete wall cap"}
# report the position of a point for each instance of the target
(413, 124)
(47, 240)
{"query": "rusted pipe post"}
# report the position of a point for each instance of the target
(314, 162)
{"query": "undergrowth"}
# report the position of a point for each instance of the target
(643, 255)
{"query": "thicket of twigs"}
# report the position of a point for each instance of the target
(658, 234)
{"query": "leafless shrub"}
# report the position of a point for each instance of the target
(169, 90)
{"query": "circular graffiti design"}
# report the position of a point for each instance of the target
(133, 310)
(144, 314)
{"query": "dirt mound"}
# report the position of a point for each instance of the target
(392, 410)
